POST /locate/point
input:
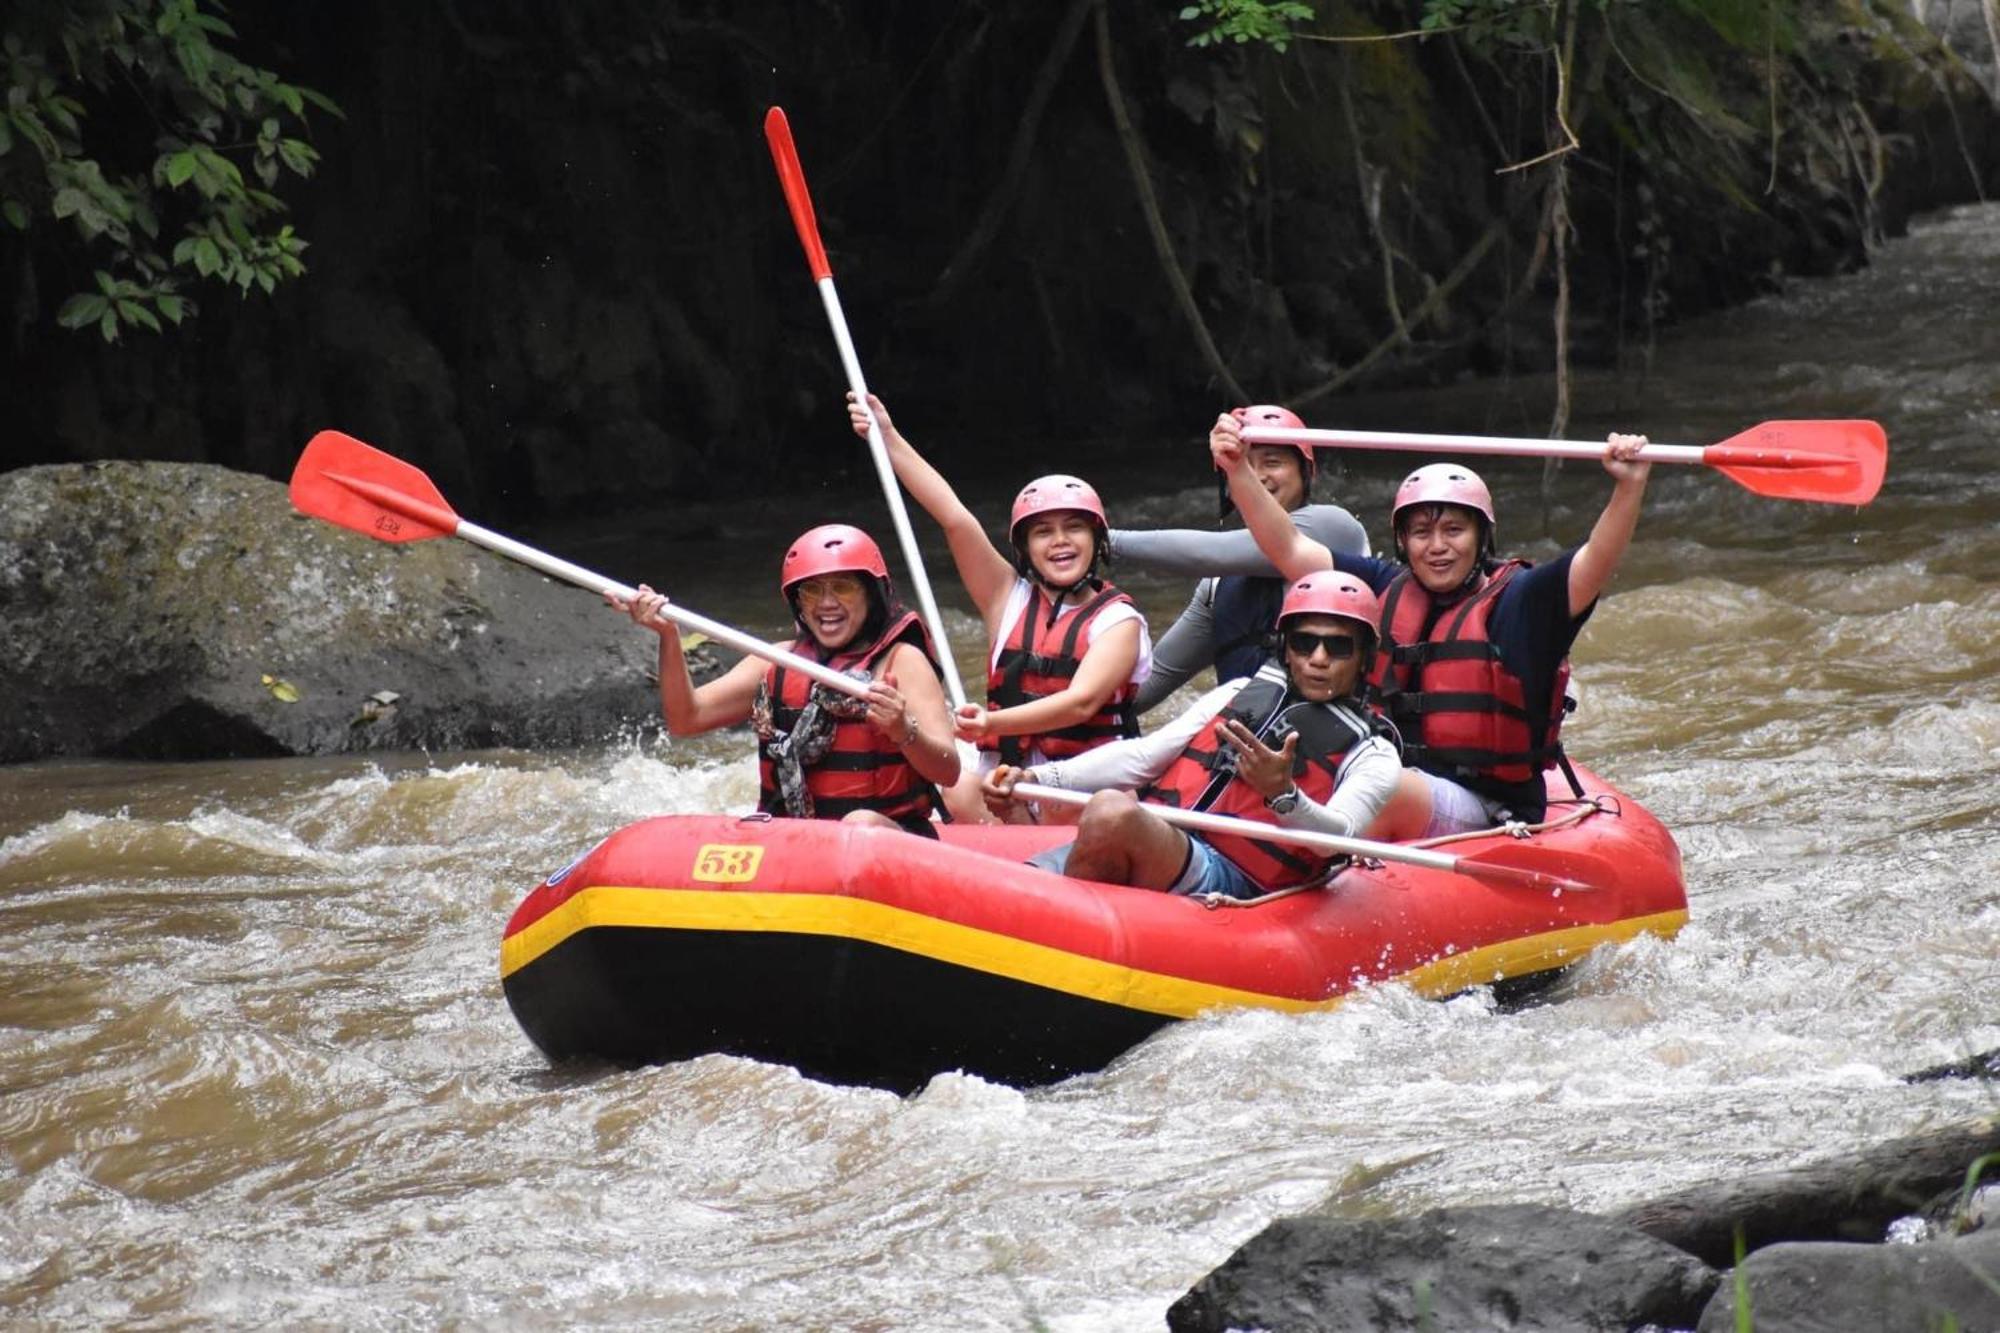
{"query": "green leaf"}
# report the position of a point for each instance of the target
(298, 155)
(107, 324)
(207, 256)
(180, 167)
(171, 306)
(67, 201)
(82, 309)
(15, 214)
(318, 99)
(105, 283)
(137, 314)
(6, 137)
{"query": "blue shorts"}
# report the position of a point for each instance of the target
(1209, 871)
(1206, 871)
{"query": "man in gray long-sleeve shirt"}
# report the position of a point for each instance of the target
(1233, 606)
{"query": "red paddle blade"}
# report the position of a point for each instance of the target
(344, 481)
(1834, 462)
(1533, 864)
(778, 133)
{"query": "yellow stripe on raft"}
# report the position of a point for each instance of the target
(1005, 956)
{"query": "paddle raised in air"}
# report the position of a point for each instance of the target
(1831, 462)
(344, 481)
(778, 133)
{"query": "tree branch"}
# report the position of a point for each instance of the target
(1163, 245)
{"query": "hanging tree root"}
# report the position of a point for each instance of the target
(1163, 245)
(1438, 295)
(1019, 155)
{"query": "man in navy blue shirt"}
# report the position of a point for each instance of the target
(1475, 650)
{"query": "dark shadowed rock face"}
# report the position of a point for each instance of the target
(144, 605)
(1513, 1266)
(1812, 1286)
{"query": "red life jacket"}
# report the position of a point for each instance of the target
(1204, 776)
(1039, 659)
(1462, 713)
(861, 768)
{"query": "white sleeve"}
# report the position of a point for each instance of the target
(1111, 617)
(1367, 779)
(1130, 765)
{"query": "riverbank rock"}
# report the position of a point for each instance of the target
(1851, 1197)
(186, 611)
(1813, 1286)
(1512, 1266)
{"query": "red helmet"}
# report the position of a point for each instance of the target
(832, 548)
(1270, 414)
(1054, 492)
(1445, 484)
(1331, 593)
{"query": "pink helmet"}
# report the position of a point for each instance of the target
(1446, 484)
(1331, 593)
(1270, 414)
(832, 548)
(1056, 491)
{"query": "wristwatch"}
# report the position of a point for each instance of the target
(1284, 802)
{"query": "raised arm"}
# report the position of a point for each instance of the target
(986, 572)
(1590, 570)
(1295, 554)
(688, 708)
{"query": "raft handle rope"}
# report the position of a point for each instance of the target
(1589, 805)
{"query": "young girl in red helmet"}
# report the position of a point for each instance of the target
(1068, 651)
(1291, 745)
(821, 754)
(1474, 653)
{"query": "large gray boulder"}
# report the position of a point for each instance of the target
(1508, 1266)
(186, 611)
(1812, 1286)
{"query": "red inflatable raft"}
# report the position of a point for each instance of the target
(875, 957)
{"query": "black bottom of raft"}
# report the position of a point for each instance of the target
(840, 1010)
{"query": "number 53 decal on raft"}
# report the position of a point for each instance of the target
(722, 863)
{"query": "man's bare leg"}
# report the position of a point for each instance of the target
(1118, 841)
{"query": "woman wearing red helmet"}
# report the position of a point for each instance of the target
(1227, 623)
(821, 754)
(1068, 651)
(1475, 659)
(1292, 745)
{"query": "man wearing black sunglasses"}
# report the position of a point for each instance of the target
(1290, 745)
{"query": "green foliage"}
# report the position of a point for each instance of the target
(130, 122)
(1244, 21)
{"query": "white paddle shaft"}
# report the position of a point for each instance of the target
(558, 568)
(1251, 828)
(892, 492)
(1516, 447)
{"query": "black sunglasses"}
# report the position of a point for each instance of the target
(1337, 646)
